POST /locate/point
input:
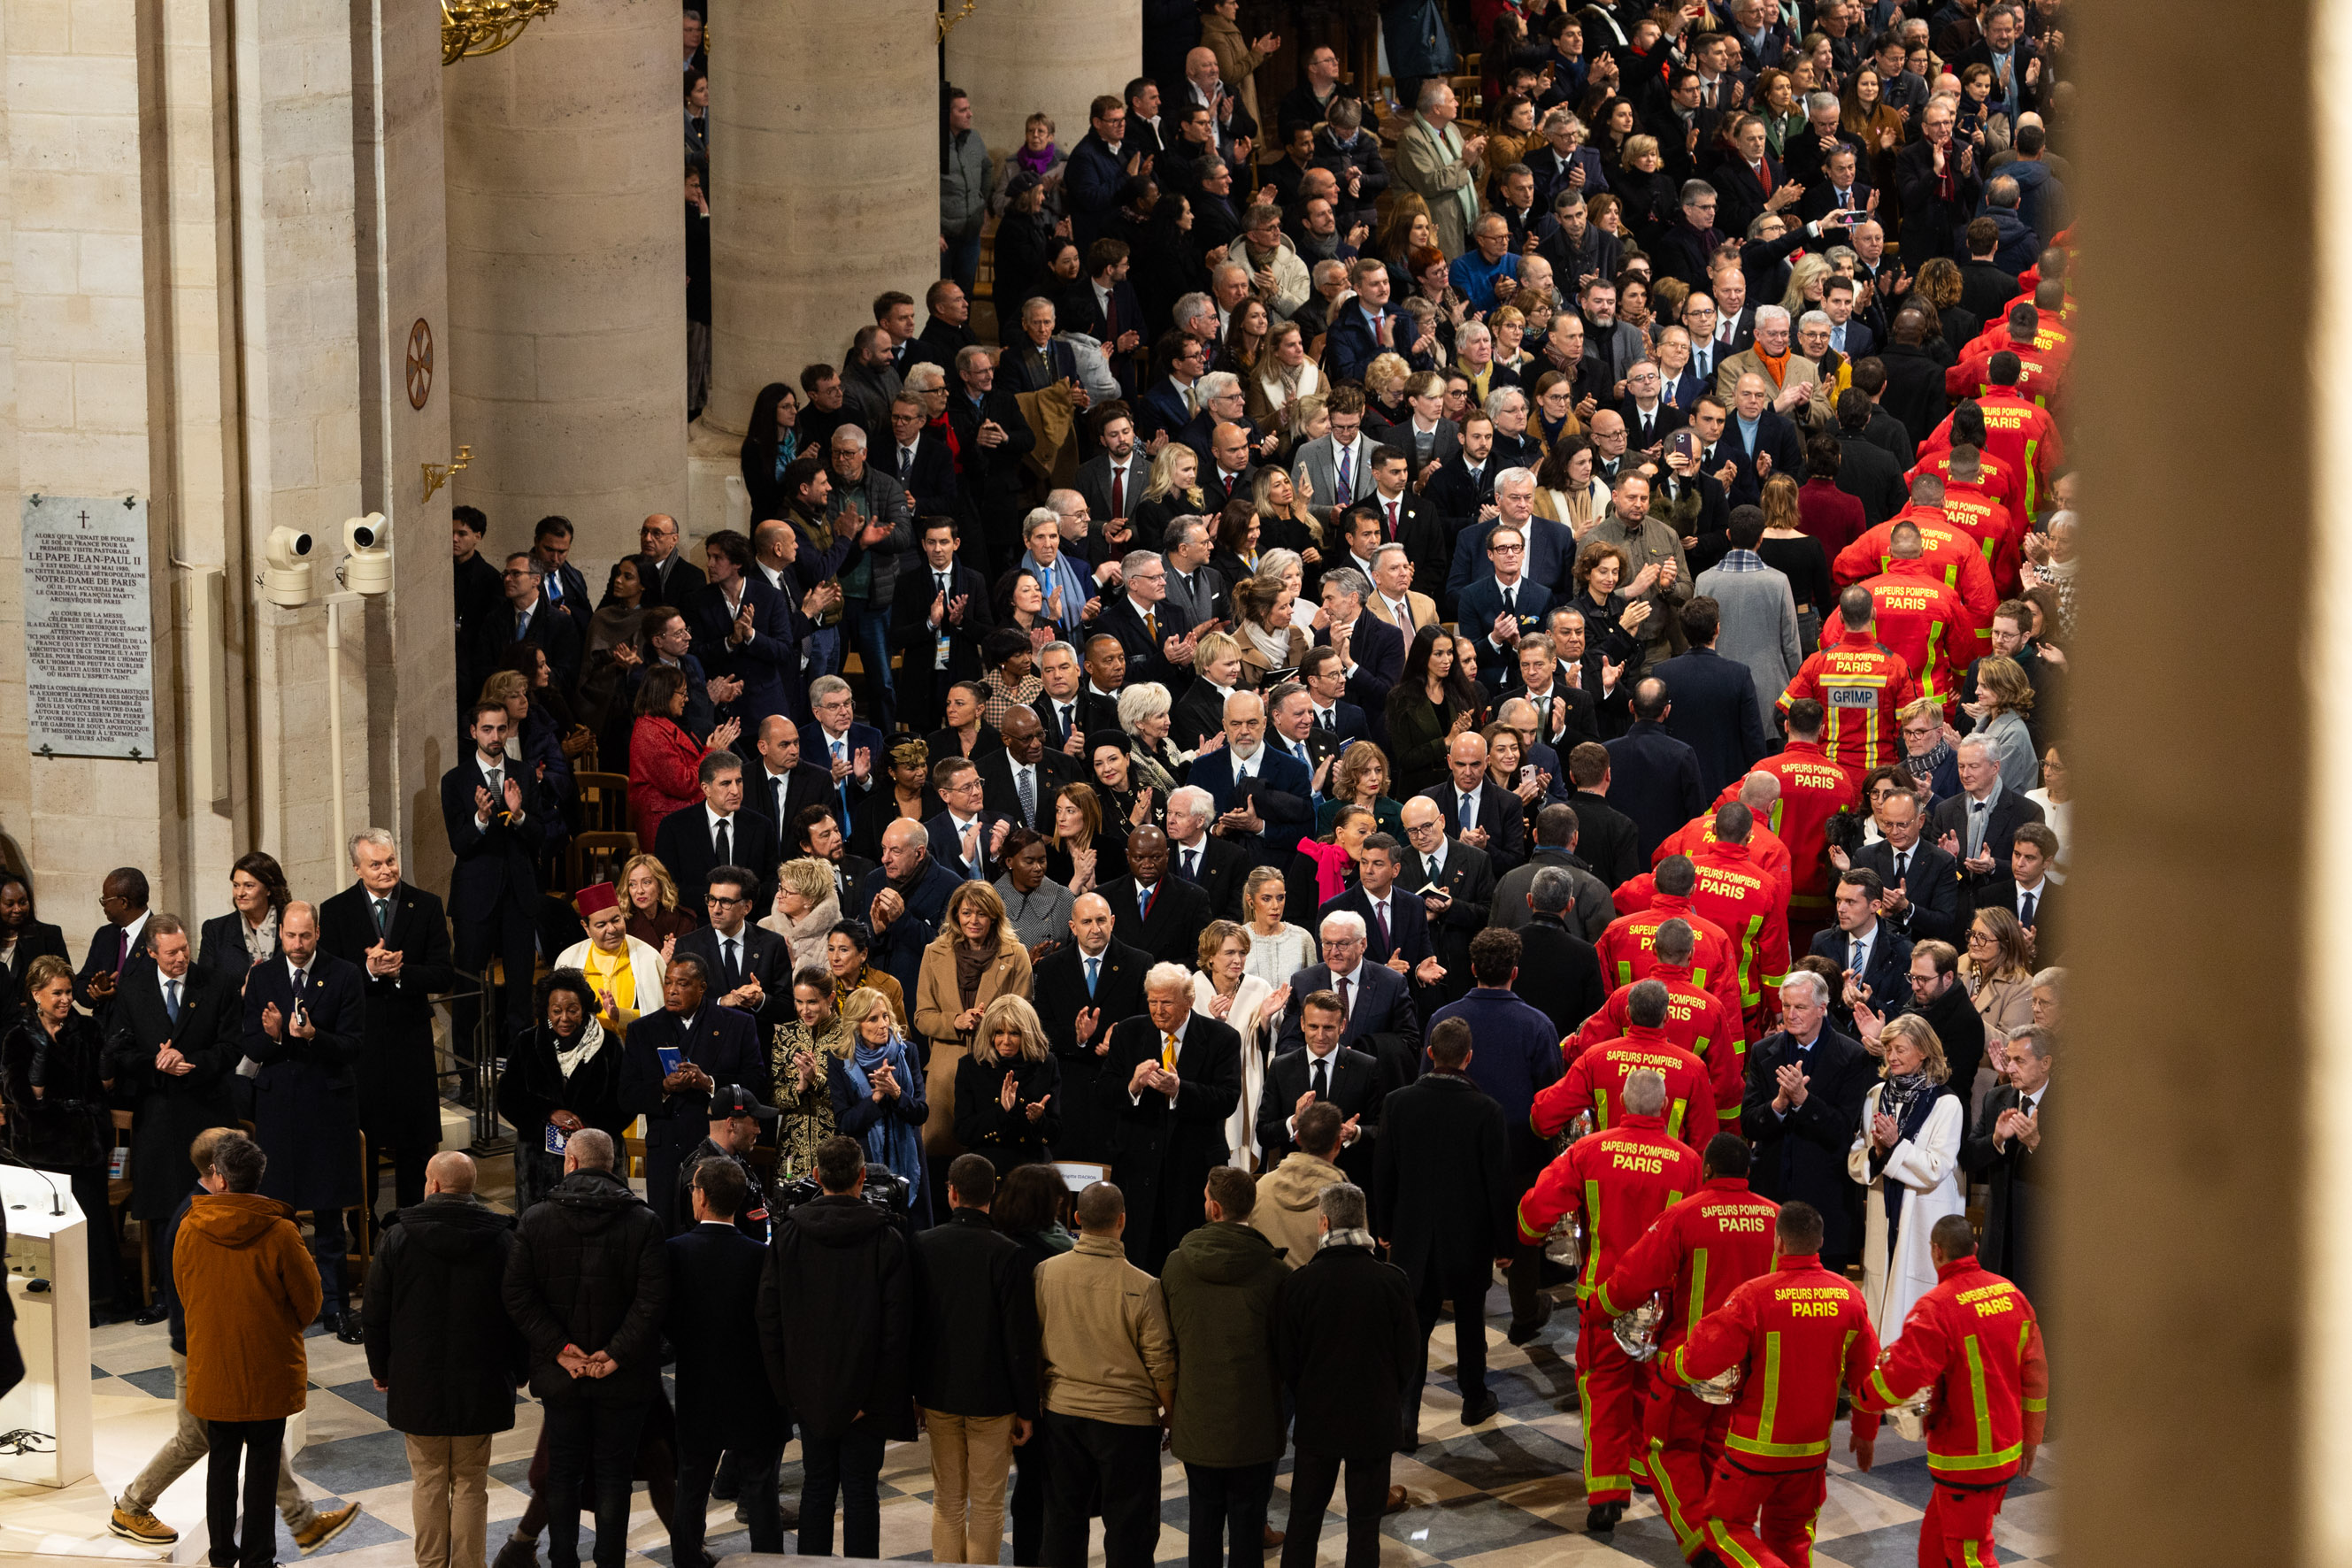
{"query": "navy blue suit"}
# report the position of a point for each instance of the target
(949, 852)
(1714, 712)
(1378, 649)
(1408, 924)
(723, 1043)
(1382, 1022)
(765, 665)
(1282, 790)
(1482, 601)
(683, 844)
(306, 1112)
(1551, 552)
(1161, 408)
(898, 948)
(1774, 435)
(1517, 1057)
(1350, 346)
(816, 750)
(1888, 973)
(493, 895)
(1501, 814)
(1653, 778)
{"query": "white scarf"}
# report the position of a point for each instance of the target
(592, 1041)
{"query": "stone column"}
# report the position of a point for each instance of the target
(825, 159)
(999, 55)
(566, 356)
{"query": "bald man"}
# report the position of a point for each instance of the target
(662, 568)
(1083, 988)
(1264, 796)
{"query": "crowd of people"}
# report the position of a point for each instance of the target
(1445, 698)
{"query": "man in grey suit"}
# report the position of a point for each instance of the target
(1758, 611)
(1346, 453)
(1196, 590)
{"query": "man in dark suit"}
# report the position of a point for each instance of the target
(723, 832)
(304, 1024)
(904, 899)
(855, 753)
(1442, 1188)
(1368, 327)
(1922, 897)
(938, 618)
(663, 570)
(1022, 780)
(1559, 972)
(1802, 1109)
(1145, 628)
(1112, 482)
(1464, 479)
(1743, 182)
(172, 1051)
(917, 457)
(496, 823)
(1504, 603)
(1217, 866)
(1152, 909)
(991, 439)
(742, 629)
(1072, 702)
(1711, 701)
(1649, 423)
(1654, 776)
(1169, 1082)
(1606, 839)
(528, 616)
(395, 935)
(967, 837)
(122, 899)
(816, 835)
(1841, 188)
(1491, 819)
(1348, 1080)
(1455, 883)
(1875, 957)
(566, 589)
(1866, 471)
(2025, 892)
(1263, 795)
(1375, 1000)
(709, 1045)
(1372, 652)
(1978, 827)
(1036, 359)
(723, 1405)
(1396, 923)
(783, 785)
(1555, 828)
(1775, 439)
(1084, 989)
(750, 968)
(2006, 1147)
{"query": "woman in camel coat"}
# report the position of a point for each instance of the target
(976, 958)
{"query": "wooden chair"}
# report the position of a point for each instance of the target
(604, 801)
(594, 858)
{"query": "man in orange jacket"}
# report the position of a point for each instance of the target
(1798, 1335)
(1918, 615)
(1970, 506)
(1861, 688)
(1760, 791)
(1624, 1179)
(1951, 551)
(2016, 431)
(1753, 905)
(1973, 1345)
(1625, 948)
(1595, 1081)
(1696, 1020)
(1812, 790)
(1713, 1241)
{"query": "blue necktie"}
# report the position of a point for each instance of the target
(1094, 972)
(171, 1000)
(840, 749)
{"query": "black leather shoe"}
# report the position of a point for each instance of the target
(152, 1316)
(1603, 1519)
(1520, 1333)
(1480, 1407)
(350, 1330)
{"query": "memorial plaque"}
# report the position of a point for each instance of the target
(90, 673)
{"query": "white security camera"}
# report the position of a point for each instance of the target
(286, 581)
(367, 564)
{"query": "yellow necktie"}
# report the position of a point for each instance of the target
(1151, 624)
(1167, 1054)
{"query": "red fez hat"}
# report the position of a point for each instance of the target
(593, 901)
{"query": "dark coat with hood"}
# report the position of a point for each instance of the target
(588, 1269)
(438, 1336)
(840, 1265)
(1221, 1284)
(1348, 1345)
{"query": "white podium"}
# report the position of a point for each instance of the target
(48, 1283)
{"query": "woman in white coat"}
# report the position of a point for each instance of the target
(1908, 1156)
(1249, 1005)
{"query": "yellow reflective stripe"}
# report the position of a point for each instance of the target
(1675, 1118)
(2036, 1406)
(1776, 1450)
(1625, 971)
(1670, 1502)
(1606, 1304)
(1719, 1541)
(1878, 1386)
(1600, 1108)
(1748, 939)
(2008, 1456)
(1592, 1241)
(1846, 1352)
(1771, 1402)
(1976, 1393)
(1697, 1289)
(1593, 1483)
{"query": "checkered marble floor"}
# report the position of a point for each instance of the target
(1504, 1495)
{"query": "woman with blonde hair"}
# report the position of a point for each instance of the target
(1907, 1155)
(1805, 281)
(807, 908)
(878, 1096)
(1277, 949)
(976, 958)
(1998, 968)
(1269, 638)
(653, 914)
(1281, 376)
(1008, 1091)
(1173, 491)
(805, 1056)
(1286, 517)
(1384, 383)
(1224, 988)
(2004, 697)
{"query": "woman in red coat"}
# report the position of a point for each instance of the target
(665, 760)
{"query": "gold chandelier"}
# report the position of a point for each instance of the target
(470, 28)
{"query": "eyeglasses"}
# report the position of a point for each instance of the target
(720, 900)
(1506, 549)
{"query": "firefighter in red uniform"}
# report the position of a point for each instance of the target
(1696, 1020)
(1751, 904)
(1973, 1346)
(2004, 481)
(1760, 793)
(1973, 509)
(1798, 1335)
(1595, 1081)
(1622, 1179)
(1919, 616)
(1861, 687)
(1812, 790)
(2039, 372)
(1625, 947)
(1713, 1241)
(1952, 551)
(2052, 339)
(2016, 431)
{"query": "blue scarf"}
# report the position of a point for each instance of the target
(892, 1139)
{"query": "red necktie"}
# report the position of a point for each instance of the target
(1119, 492)
(1393, 532)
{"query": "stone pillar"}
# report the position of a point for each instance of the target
(997, 55)
(566, 356)
(824, 156)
